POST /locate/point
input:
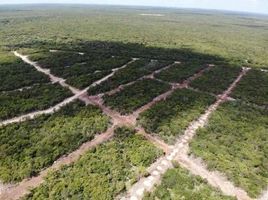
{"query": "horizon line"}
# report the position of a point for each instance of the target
(148, 6)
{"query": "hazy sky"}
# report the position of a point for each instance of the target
(259, 6)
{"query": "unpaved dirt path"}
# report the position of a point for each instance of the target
(264, 195)
(17, 191)
(136, 192)
(38, 68)
(158, 168)
(214, 178)
(35, 114)
(175, 86)
(150, 76)
(78, 94)
(157, 142)
(264, 70)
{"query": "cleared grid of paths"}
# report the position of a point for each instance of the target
(181, 147)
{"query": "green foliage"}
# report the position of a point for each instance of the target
(7, 58)
(39, 97)
(180, 72)
(84, 81)
(132, 72)
(224, 34)
(56, 61)
(179, 184)
(102, 173)
(15, 74)
(217, 79)
(169, 118)
(68, 64)
(135, 96)
(235, 142)
(253, 88)
(28, 147)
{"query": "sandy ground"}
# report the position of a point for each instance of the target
(264, 195)
(214, 178)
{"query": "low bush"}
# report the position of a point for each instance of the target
(179, 184)
(169, 118)
(39, 97)
(132, 72)
(135, 96)
(217, 79)
(235, 142)
(28, 147)
(103, 172)
(180, 72)
(253, 88)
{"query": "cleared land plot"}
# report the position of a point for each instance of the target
(169, 118)
(132, 72)
(179, 184)
(84, 81)
(14, 74)
(253, 88)
(72, 65)
(134, 96)
(57, 60)
(235, 142)
(180, 72)
(28, 147)
(109, 168)
(216, 80)
(39, 97)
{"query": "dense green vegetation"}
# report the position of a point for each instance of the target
(179, 184)
(225, 34)
(253, 88)
(134, 96)
(169, 118)
(84, 81)
(38, 97)
(132, 72)
(15, 74)
(56, 61)
(109, 37)
(28, 147)
(103, 172)
(71, 64)
(180, 72)
(217, 79)
(235, 142)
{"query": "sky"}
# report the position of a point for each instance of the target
(257, 6)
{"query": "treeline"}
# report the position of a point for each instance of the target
(169, 118)
(235, 142)
(253, 88)
(28, 147)
(103, 172)
(216, 80)
(179, 183)
(132, 72)
(134, 96)
(38, 97)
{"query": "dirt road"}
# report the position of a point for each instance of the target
(180, 150)
(15, 192)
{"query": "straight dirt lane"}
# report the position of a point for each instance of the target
(14, 192)
(180, 150)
